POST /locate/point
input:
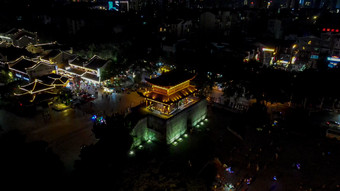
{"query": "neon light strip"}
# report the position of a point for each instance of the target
(18, 71)
(72, 72)
(333, 59)
(268, 49)
(82, 67)
(157, 101)
(90, 80)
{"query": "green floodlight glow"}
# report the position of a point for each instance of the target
(180, 139)
(197, 125)
(131, 153)
(205, 119)
(140, 147)
(149, 141)
(175, 143)
(185, 135)
(202, 123)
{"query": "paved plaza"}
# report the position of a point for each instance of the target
(110, 103)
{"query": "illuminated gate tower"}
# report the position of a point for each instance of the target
(171, 107)
(170, 92)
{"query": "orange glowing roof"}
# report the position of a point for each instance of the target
(170, 98)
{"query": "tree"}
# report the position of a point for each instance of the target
(6, 77)
(22, 161)
(65, 95)
(110, 70)
(108, 157)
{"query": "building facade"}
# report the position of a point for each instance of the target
(171, 107)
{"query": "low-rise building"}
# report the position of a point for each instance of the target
(19, 37)
(29, 69)
(88, 70)
(11, 53)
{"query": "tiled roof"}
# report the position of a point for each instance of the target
(79, 61)
(96, 62)
(22, 33)
(13, 53)
(54, 79)
(51, 54)
(36, 86)
(54, 76)
(22, 64)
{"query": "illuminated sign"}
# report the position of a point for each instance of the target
(293, 60)
(22, 77)
(332, 65)
(330, 30)
(314, 57)
(113, 5)
(333, 59)
(110, 5)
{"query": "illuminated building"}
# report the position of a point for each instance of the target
(333, 61)
(54, 80)
(88, 70)
(11, 53)
(19, 37)
(42, 89)
(267, 55)
(28, 69)
(171, 106)
(169, 92)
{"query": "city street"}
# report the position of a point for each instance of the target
(66, 131)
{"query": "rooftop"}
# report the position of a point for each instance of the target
(22, 64)
(54, 76)
(53, 46)
(171, 78)
(79, 61)
(21, 33)
(54, 79)
(51, 54)
(96, 62)
(90, 77)
(35, 87)
(13, 53)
